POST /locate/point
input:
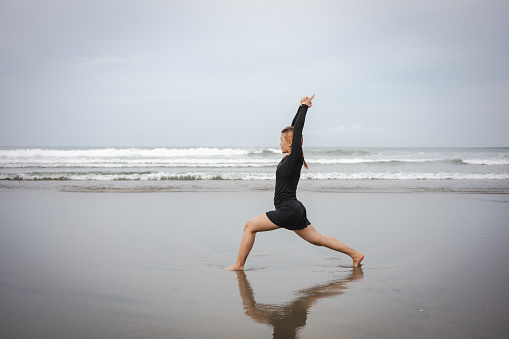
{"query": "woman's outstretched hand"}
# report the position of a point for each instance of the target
(307, 101)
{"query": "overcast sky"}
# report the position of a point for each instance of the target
(232, 72)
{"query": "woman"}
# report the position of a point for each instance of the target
(289, 212)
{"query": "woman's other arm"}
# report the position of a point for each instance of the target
(298, 124)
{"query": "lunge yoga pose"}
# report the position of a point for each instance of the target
(289, 212)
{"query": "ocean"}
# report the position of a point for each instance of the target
(239, 168)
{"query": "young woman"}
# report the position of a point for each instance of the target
(289, 212)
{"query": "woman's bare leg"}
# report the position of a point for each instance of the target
(311, 235)
(259, 224)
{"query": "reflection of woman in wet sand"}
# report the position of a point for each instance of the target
(288, 318)
(289, 212)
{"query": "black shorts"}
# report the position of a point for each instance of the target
(290, 214)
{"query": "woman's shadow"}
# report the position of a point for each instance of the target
(289, 317)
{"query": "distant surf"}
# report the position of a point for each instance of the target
(250, 164)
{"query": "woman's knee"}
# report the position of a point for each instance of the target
(250, 226)
(259, 224)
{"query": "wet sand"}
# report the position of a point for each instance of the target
(149, 265)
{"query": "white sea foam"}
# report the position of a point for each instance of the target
(495, 162)
(127, 152)
(155, 176)
(365, 161)
(208, 161)
(138, 163)
(404, 176)
(151, 176)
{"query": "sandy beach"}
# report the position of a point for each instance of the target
(149, 265)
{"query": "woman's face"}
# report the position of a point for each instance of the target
(286, 146)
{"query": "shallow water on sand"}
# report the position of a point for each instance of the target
(121, 265)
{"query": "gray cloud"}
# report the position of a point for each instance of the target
(232, 72)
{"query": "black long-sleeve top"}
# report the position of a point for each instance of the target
(288, 170)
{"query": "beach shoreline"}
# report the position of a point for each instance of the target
(318, 186)
(104, 264)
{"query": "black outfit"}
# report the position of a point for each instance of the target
(289, 212)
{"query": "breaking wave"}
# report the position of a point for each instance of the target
(156, 176)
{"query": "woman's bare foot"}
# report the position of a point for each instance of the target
(357, 258)
(236, 268)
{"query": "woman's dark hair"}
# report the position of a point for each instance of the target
(287, 131)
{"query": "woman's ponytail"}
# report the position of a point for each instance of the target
(288, 130)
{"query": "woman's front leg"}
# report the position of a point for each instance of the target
(259, 224)
(311, 235)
